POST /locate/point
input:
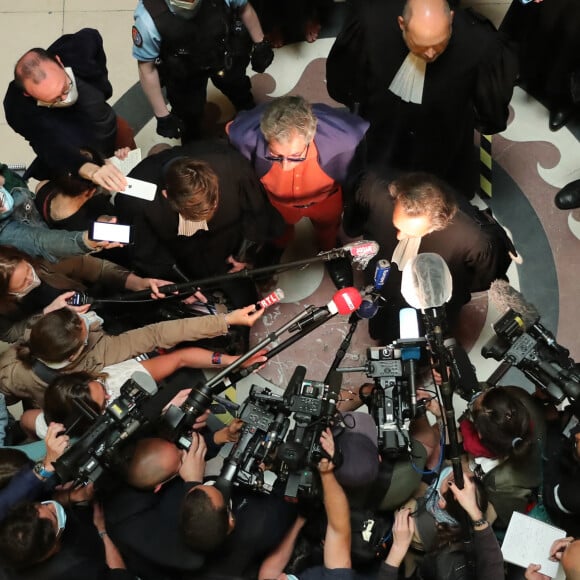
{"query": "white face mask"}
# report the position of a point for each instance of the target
(71, 97)
(35, 283)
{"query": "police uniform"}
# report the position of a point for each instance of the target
(188, 52)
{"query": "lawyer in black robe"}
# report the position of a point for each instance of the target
(469, 250)
(467, 87)
(243, 214)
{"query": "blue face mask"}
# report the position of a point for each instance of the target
(433, 495)
(60, 515)
(7, 203)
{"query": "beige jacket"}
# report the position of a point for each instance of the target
(19, 382)
(70, 274)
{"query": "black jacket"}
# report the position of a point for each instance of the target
(243, 213)
(56, 134)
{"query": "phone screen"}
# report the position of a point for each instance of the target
(111, 232)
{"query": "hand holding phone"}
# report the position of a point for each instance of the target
(108, 232)
(78, 299)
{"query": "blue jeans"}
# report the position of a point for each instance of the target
(24, 229)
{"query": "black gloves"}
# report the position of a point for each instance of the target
(262, 56)
(170, 126)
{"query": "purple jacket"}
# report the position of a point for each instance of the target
(338, 135)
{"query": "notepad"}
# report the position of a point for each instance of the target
(125, 165)
(528, 541)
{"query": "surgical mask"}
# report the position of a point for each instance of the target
(7, 203)
(71, 97)
(35, 283)
(91, 318)
(433, 495)
(183, 9)
(60, 514)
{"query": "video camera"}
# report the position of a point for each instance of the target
(266, 436)
(265, 417)
(391, 402)
(313, 405)
(535, 352)
(87, 458)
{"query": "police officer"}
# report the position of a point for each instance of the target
(180, 44)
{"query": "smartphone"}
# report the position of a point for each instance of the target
(141, 189)
(101, 231)
(79, 299)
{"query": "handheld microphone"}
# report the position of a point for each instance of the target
(271, 299)
(343, 302)
(362, 252)
(370, 306)
(367, 309)
(382, 271)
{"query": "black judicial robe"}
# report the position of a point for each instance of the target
(468, 87)
(243, 213)
(467, 248)
(548, 40)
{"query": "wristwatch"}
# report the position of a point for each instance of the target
(41, 471)
(479, 522)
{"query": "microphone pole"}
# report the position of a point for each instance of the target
(435, 322)
(367, 309)
(201, 396)
(427, 285)
(360, 252)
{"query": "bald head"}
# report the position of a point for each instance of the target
(426, 27)
(154, 462)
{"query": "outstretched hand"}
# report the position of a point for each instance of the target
(246, 316)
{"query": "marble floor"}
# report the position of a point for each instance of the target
(530, 165)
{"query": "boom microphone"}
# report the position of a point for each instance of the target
(426, 282)
(505, 297)
(343, 302)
